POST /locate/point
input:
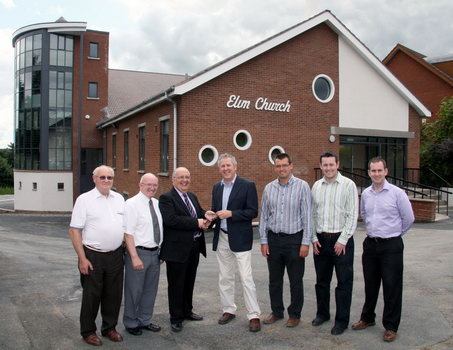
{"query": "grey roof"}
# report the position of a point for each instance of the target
(129, 88)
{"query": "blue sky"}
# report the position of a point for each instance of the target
(186, 36)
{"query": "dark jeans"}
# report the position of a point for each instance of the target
(325, 262)
(102, 286)
(383, 261)
(284, 252)
(181, 281)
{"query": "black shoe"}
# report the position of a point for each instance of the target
(134, 331)
(194, 317)
(151, 327)
(318, 321)
(337, 330)
(176, 327)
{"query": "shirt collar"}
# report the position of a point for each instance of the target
(339, 179)
(289, 183)
(143, 197)
(231, 183)
(386, 186)
(99, 194)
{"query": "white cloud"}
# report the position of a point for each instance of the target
(7, 3)
(6, 88)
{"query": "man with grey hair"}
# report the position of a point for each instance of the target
(235, 204)
(96, 231)
(143, 235)
(184, 222)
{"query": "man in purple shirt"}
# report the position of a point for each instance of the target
(388, 215)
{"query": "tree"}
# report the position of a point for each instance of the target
(437, 145)
(6, 166)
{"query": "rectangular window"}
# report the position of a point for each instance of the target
(141, 148)
(93, 90)
(94, 50)
(60, 186)
(164, 139)
(113, 151)
(126, 149)
(34, 186)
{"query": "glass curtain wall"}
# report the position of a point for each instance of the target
(356, 151)
(43, 101)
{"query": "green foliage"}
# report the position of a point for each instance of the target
(6, 166)
(437, 145)
(6, 190)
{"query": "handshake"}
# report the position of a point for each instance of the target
(210, 216)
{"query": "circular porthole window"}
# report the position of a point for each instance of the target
(274, 152)
(323, 88)
(242, 140)
(208, 155)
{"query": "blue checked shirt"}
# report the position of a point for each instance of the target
(286, 208)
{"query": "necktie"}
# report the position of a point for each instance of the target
(156, 227)
(191, 210)
(192, 213)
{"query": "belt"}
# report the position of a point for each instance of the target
(329, 234)
(379, 239)
(146, 248)
(224, 231)
(280, 234)
(101, 250)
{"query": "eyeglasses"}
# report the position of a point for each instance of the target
(281, 166)
(149, 185)
(102, 177)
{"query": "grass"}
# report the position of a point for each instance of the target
(6, 190)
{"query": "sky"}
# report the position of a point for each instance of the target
(187, 36)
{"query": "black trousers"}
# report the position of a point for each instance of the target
(181, 281)
(102, 286)
(382, 261)
(284, 253)
(325, 262)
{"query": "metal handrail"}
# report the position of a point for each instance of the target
(402, 183)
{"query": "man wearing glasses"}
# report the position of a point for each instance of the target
(143, 235)
(97, 234)
(183, 243)
(285, 234)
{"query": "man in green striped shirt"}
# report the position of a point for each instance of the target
(334, 220)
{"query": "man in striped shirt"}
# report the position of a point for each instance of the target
(335, 212)
(285, 234)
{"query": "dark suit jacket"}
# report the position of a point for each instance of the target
(243, 202)
(179, 226)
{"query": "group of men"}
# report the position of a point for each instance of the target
(292, 217)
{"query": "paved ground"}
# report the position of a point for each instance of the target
(40, 297)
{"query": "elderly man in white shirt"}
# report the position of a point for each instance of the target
(96, 231)
(143, 234)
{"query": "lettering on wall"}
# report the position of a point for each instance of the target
(261, 104)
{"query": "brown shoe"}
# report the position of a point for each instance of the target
(93, 339)
(362, 325)
(271, 319)
(254, 325)
(292, 322)
(113, 335)
(389, 335)
(226, 317)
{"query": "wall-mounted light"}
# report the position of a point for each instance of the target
(87, 117)
(332, 138)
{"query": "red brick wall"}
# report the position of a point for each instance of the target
(413, 145)
(284, 73)
(92, 71)
(425, 85)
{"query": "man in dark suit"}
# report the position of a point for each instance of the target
(235, 203)
(183, 220)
